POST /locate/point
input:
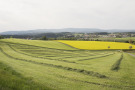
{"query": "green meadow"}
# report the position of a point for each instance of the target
(51, 65)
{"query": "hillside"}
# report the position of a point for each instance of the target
(40, 43)
(51, 65)
(77, 30)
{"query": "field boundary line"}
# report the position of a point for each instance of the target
(69, 45)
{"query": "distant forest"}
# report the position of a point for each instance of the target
(100, 36)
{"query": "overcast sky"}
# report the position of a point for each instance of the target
(45, 14)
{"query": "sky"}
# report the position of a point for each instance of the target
(54, 14)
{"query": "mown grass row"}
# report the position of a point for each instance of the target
(96, 57)
(84, 56)
(116, 65)
(91, 73)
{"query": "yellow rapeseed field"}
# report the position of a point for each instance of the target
(97, 45)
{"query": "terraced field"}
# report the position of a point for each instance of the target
(53, 65)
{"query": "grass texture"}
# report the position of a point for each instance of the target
(28, 65)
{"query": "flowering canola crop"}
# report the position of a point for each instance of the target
(97, 45)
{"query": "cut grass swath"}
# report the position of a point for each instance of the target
(116, 65)
(96, 57)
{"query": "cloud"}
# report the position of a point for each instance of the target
(40, 14)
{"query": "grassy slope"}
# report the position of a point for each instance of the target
(12, 80)
(48, 44)
(48, 76)
(59, 78)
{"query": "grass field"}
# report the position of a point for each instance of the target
(116, 39)
(48, 44)
(51, 65)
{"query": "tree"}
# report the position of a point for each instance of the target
(130, 47)
(11, 36)
(130, 41)
(1, 37)
(43, 38)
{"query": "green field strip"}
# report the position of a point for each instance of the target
(127, 68)
(39, 43)
(116, 65)
(35, 46)
(91, 73)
